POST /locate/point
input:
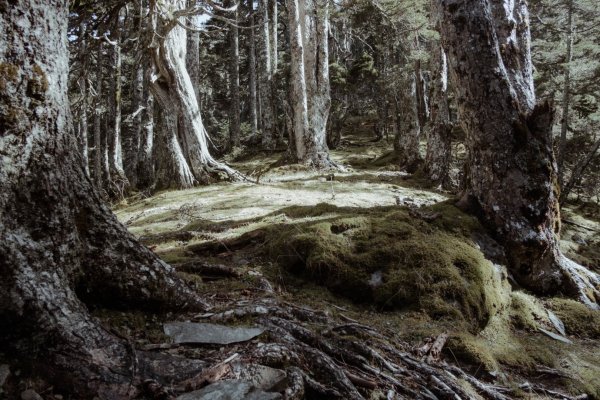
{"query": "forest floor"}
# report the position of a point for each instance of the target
(370, 247)
(367, 283)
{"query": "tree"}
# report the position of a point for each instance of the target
(173, 89)
(511, 178)
(59, 243)
(309, 29)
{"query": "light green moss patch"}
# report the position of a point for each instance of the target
(579, 320)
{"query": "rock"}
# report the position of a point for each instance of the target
(555, 336)
(262, 377)
(230, 390)
(204, 333)
(30, 394)
(558, 324)
(4, 373)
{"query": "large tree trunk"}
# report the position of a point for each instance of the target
(439, 138)
(58, 241)
(145, 171)
(309, 28)
(98, 122)
(511, 177)
(173, 89)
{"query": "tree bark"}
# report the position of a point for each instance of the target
(83, 86)
(58, 242)
(265, 76)
(193, 51)
(511, 178)
(439, 138)
(98, 153)
(145, 170)
(406, 143)
(234, 82)
(252, 75)
(310, 94)
(173, 89)
(119, 181)
(566, 100)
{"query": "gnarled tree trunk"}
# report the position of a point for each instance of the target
(58, 242)
(511, 177)
(173, 89)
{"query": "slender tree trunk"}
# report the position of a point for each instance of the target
(252, 75)
(566, 100)
(406, 143)
(511, 178)
(58, 242)
(439, 139)
(137, 129)
(265, 75)
(115, 148)
(145, 161)
(98, 180)
(173, 90)
(309, 28)
(193, 52)
(234, 82)
(83, 86)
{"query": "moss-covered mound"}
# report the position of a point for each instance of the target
(393, 258)
(579, 320)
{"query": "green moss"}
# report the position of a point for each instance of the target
(8, 74)
(387, 257)
(471, 350)
(579, 320)
(526, 312)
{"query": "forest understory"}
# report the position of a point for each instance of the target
(364, 284)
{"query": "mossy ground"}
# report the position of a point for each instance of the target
(412, 270)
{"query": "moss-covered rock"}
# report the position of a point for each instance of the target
(388, 257)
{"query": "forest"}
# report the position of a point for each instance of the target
(299, 199)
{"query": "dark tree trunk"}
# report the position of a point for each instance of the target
(265, 76)
(511, 178)
(439, 138)
(58, 241)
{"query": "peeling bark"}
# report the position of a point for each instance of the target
(310, 94)
(59, 243)
(511, 178)
(173, 89)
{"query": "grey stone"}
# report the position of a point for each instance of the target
(262, 377)
(558, 324)
(555, 336)
(230, 390)
(30, 394)
(204, 333)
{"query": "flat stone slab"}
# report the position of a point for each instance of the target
(230, 390)
(261, 376)
(205, 333)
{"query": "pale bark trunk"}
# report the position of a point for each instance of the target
(252, 76)
(172, 87)
(145, 170)
(83, 86)
(439, 139)
(309, 28)
(193, 52)
(119, 181)
(511, 178)
(58, 241)
(265, 75)
(566, 100)
(98, 122)
(137, 128)
(234, 83)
